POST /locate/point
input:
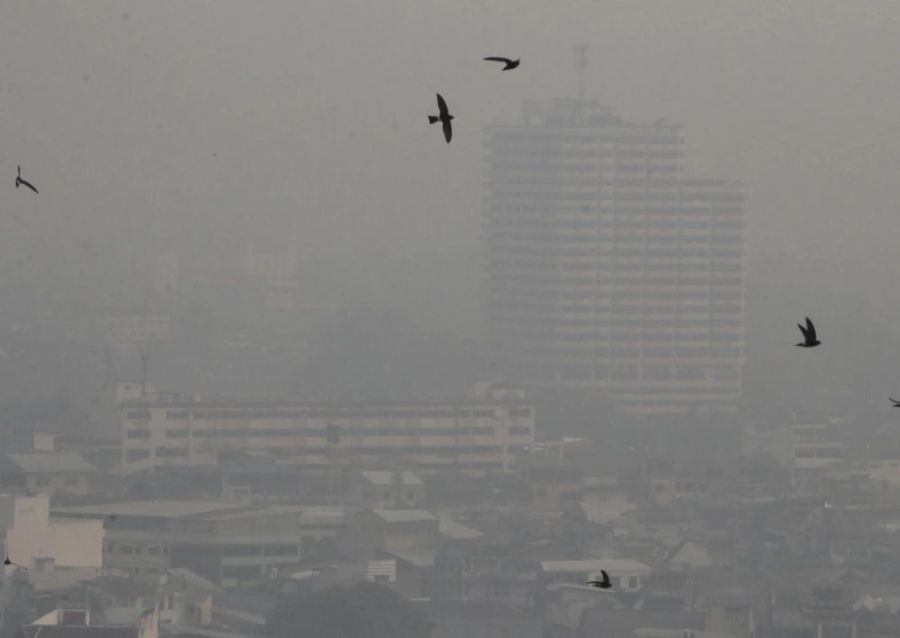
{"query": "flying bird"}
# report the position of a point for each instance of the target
(510, 64)
(601, 584)
(809, 335)
(895, 402)
(20, 181)
(444, 117)
(8, 562)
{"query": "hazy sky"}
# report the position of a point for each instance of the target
(279, 117)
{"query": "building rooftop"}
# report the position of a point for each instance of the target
(161, 509)
(456, 531)
(403, 516)
(232, 404)
(614, 566)
(377, 477)
(51, 462)
(209, 510)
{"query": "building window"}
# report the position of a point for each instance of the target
(71, 482)
(42, 482)
(632, 582)
(136, 455)
(381, 578)
(126, 549)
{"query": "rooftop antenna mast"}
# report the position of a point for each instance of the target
(581, 61)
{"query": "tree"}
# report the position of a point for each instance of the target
(364, 610)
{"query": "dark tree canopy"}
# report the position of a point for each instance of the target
(364, 610)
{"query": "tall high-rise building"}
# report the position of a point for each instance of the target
(608, 267)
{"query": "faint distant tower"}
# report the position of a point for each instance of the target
(165, 280)
(608, 268)
(277, 271)
(581, 62)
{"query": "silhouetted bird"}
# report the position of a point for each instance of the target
(895, 402)
(20, 181)
(510, 64)
(8, 562)
(601, 584)
(444, 117)
(809, 335)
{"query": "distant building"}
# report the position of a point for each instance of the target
(132, 332)
(393, 530)
(484, 571)
(626, 575)
(277, 272)
(227, 543)
(104, 413)
(473, 437)
(385, 490)
(807, 450)
(49, 473)
(608, 268)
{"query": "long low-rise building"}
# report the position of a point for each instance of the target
(226, 542)
(474, 437)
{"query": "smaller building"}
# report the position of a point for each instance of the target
(393, 530)
(229, 543)
(626, 575)
(388, 490)
(49, 473)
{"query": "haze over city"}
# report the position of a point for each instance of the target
(241, 252)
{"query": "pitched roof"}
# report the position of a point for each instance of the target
(614, 566)
(456, 531)
(403, 516)
(415, 557)
(51, 462)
